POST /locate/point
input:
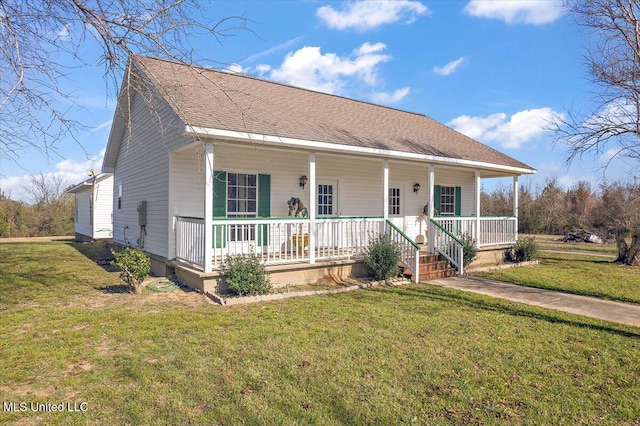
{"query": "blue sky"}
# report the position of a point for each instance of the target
(498, 71)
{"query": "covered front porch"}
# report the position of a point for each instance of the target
(243, 196)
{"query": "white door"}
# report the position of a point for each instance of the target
(396, 206)
(327, 207)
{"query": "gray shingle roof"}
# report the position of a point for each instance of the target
(204, 97)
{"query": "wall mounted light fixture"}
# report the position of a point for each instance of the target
(416, 187)
(303, 181)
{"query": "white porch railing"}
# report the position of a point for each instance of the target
(493, 230)
(448, 245)
(409, 251)
(190, 240)
(275, 240)
(345, 237)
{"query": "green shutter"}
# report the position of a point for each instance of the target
(264, 206)
(220, 206)
(219, 194)
(264, 195)
(458, 200)
(437, 191)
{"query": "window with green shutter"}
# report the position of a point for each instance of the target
(241, 195)
(448, 200)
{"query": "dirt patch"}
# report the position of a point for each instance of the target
(35, 239)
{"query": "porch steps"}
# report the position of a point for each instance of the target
(432, 266)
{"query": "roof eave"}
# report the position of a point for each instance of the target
(333, 147)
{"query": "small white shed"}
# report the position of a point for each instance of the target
(94, 208)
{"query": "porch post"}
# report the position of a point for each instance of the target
(432, 237)
(313, 207)
(208, 208)
(385, 189)
(516, 193)
(478, 190)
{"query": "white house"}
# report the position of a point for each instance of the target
(93, 207)
(205, 163)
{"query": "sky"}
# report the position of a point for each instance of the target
(497, 71)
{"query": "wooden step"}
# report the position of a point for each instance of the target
(432, 266)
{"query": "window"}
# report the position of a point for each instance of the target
(325, 199)
(91, 209)
(120, 197)
(76, 212)
(394, 201)
(242, 198)
(448, 200)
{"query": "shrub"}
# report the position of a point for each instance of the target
(382, 256)
(134, 265)
(246, 275)
(525, 249)
(469, 249)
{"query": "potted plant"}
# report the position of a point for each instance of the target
(297, 209)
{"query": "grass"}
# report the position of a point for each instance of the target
(553, 242)
(414, 354)
(578, 274)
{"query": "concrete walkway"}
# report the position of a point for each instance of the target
(588, 306)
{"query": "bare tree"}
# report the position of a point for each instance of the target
(618, 211)
(42, 41)
(612, 127)
(45, 190)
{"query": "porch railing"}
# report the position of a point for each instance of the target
(409, 251)
(189, 233)
(449, 246)
(493, 230)
(275, 240)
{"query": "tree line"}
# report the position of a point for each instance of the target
(50, 213)
(612, 210)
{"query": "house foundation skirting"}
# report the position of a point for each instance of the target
(280, 275)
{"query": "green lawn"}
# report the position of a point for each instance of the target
(594, 276)
(415, 354)
(553, 242)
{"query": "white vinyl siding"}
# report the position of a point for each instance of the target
(94, 205)
(142, 167)
(83, 224)
(103, 208)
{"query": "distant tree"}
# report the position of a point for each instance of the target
(552, 208)
(41, 41)
(497, 203)
(612, 127)
(618, 212)
(580, 199)
(41, 189)
(528, 218)
(13, 218)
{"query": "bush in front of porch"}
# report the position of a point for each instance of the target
(383, 256)
(247, 275)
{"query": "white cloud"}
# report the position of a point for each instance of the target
(390, 98)
(237, 69)
(72, 172)
(263, 69)
(567, 181)
(449, 68)
(63, 32)
(476, 127)
(512, 132)
(365, 15)
(308, 67)
(103, 125)
(535, 12)
(608, 156)
(282, 46)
